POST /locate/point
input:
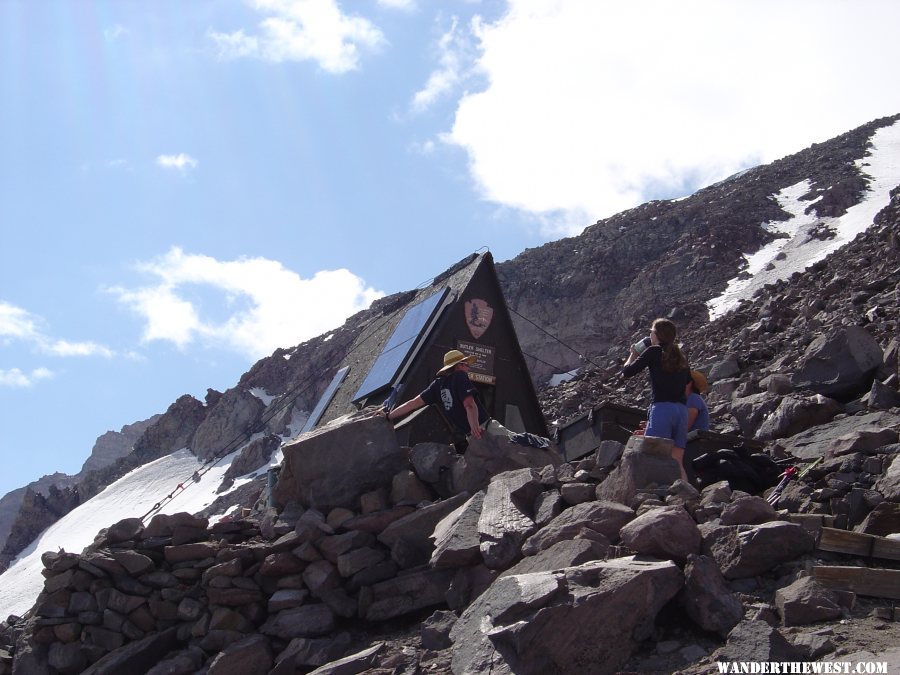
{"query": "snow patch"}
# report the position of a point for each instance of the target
(797, 250)
(131, 496)
(262, 395)
(559, 378)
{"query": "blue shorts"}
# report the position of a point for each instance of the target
(668, 420)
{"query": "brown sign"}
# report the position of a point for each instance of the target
(483, 368)
(478, 316)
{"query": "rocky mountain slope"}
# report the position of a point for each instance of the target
(661, 259)
(593, 292)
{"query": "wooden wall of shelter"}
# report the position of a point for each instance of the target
(474, 320)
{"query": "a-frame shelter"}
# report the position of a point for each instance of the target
(397, 354)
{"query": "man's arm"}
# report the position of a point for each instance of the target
(693, 413)
(472, 415)
(405, 408)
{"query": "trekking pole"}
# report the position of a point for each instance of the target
(790, 474)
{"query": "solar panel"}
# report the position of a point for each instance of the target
(325, 399)
(414, 325)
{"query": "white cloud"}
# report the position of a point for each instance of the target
(268, 306)
(114, 33)
(590, 108)
(453, 61)
(398, 4)
(16, 378)
(303, 30)
(181, 162)
(17, 324)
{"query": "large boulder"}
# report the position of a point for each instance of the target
(806, 601)
(746, 550)
(889, 483)
(757, 641)
(664, 532)
(413, 533)
(490, 455)
(334, 465)
(706, 597)
(840, 364)
(585, 520)
(647, 461)
(813, 443)
(797, 413)
(507, 516)
(585, 619)
(456, 539)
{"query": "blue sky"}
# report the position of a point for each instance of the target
(187, 186)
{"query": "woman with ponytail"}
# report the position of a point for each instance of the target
(669, 375)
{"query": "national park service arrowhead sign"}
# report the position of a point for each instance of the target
(478, 316)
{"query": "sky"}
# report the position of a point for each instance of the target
(188, 186)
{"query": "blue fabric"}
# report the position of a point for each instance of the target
(668, 420)
(695, 400)
(448, 392)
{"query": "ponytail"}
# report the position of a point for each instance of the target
(673, 358)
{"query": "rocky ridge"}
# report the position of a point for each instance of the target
(504, 559)
(758, 358)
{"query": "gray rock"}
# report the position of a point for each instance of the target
(707, 599)
(364, 451)
(577, 493)
(415, 530)
(889, 483)
(664, 532)
(307, 621)
(430, 459)
(353, 664)
(567, 553)
(646, 462)
(750, 411)
(506, 518)
(757, 641)
(813, 646)
(748, 510)
(491, 456)
(406, 488)
(606, 608)
(882, 397)
(747, 550)
(795, 414)
(604, 517)
(608, 453)
(456, 539)
(547, 506)
(406, 593)
(840, 363)
(135, 657)
(435, 631)
(882, 520)
(302, 653)
(806, 601)
(250, 656)
(811, 444)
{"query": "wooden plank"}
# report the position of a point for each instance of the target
(861, 580)
(855, 543)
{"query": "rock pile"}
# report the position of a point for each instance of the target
(548, 567)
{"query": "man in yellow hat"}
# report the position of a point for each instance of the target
(454, 393)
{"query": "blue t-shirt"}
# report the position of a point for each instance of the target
(694, 400)
(448, 392)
